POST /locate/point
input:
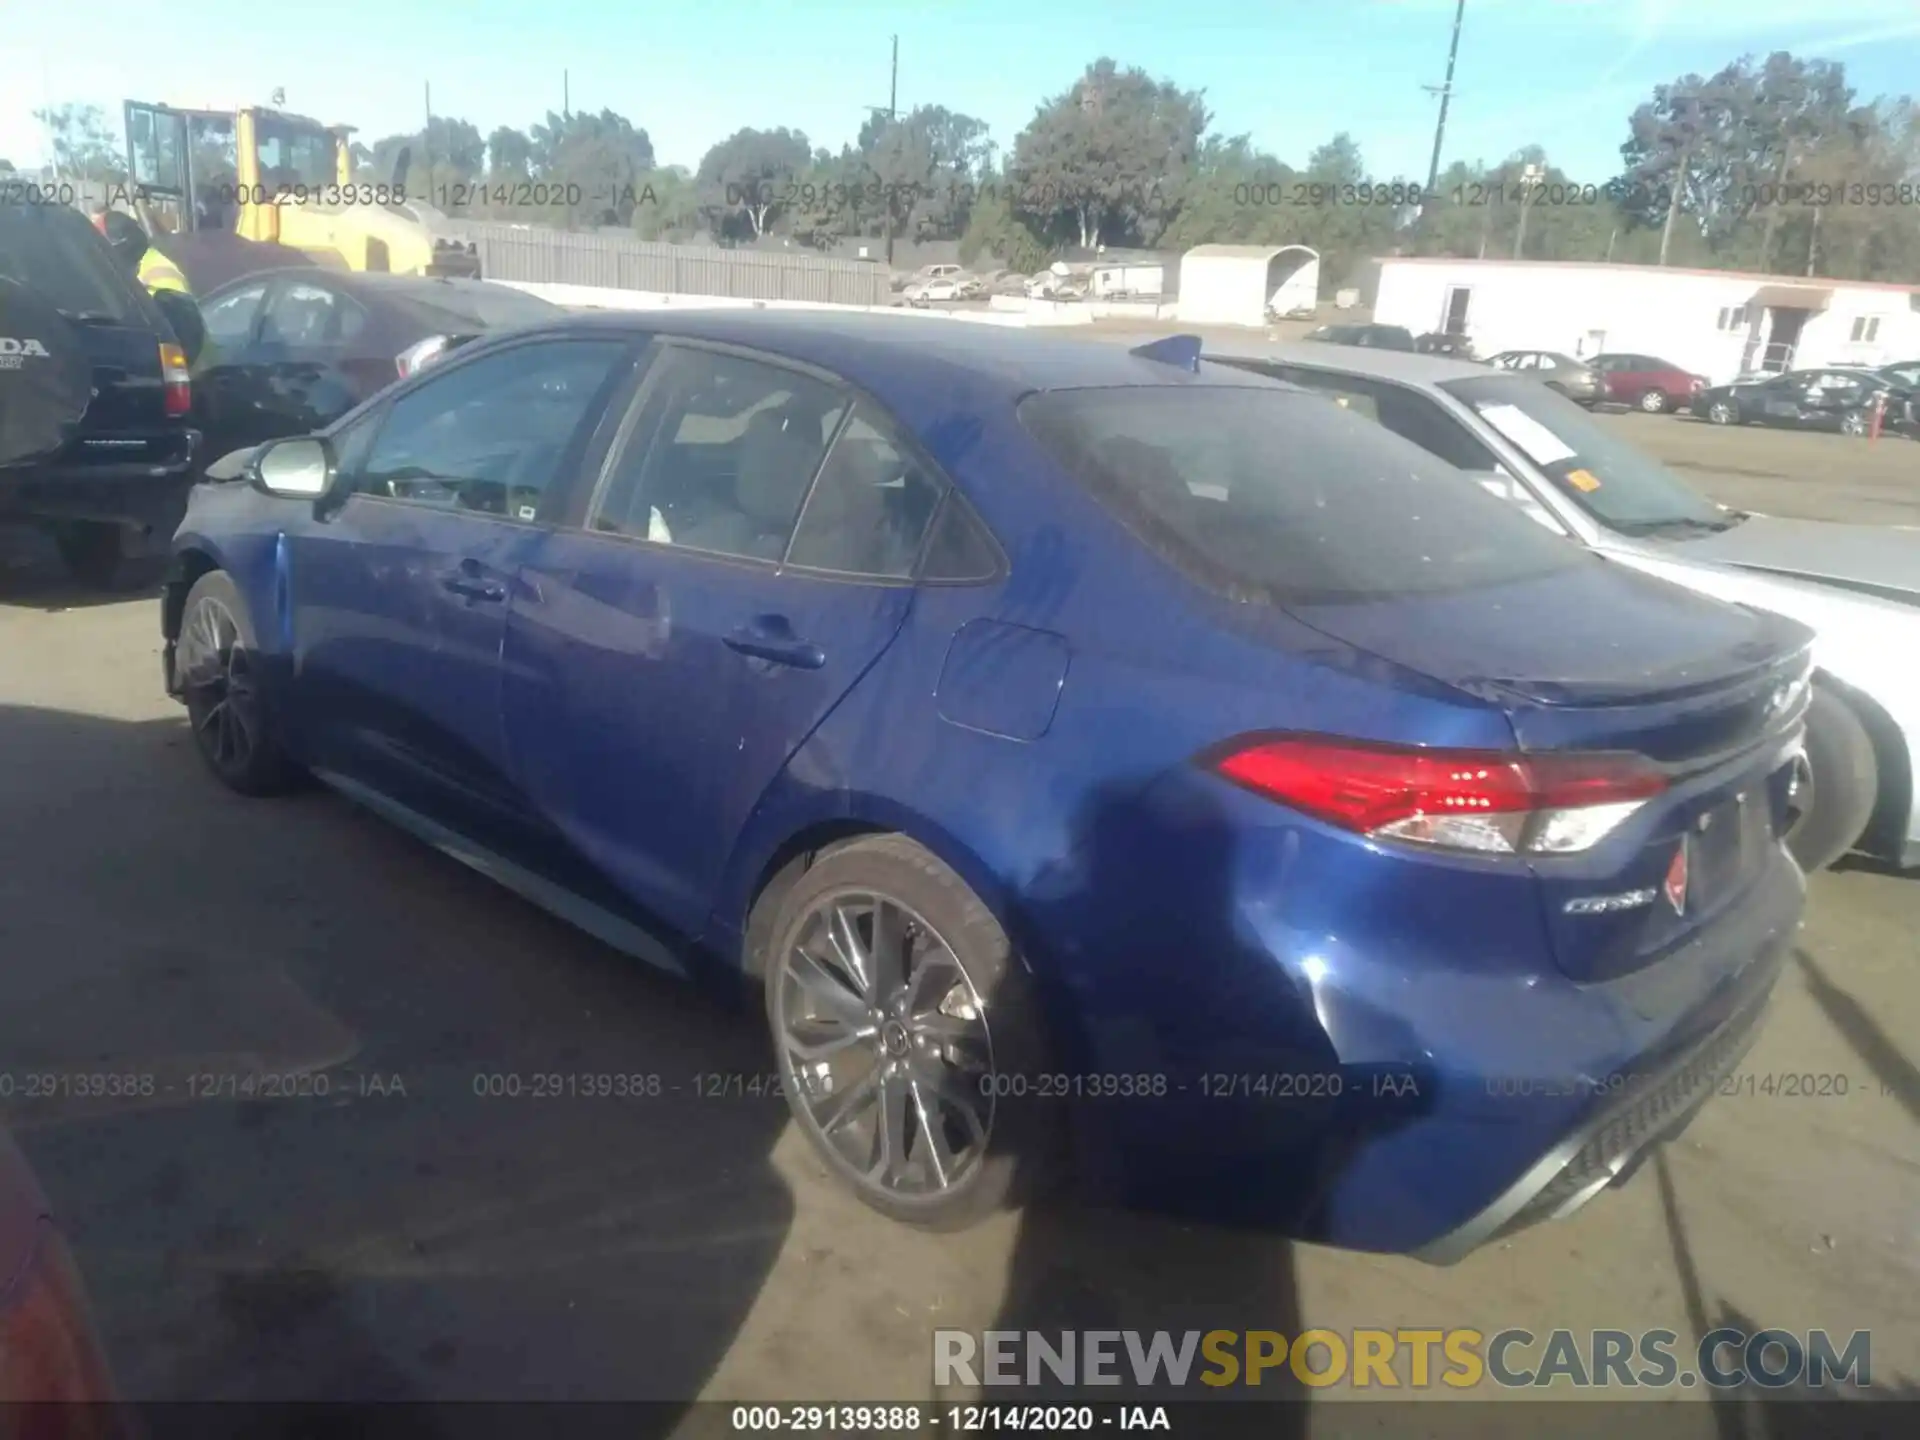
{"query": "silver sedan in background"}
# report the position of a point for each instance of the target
(1563, 373)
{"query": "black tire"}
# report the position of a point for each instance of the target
(1653, 402)
(105, 556)
(1856, 423)
(1017, 1157)
(1845, 783)
(1723, 412)
(235, 731)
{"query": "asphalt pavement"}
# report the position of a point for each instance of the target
(373, 1221)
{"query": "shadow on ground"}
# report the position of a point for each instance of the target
(506, 1185)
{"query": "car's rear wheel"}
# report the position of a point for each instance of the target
(216, 662)
(1855, 423)
(1654, 402)
(907, 1041)
(1842, 785)
(1723, 412)
(104, 555)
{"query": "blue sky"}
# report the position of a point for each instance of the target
(1563, 73)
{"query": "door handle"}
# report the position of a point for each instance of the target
(779, 649)
(473, 588)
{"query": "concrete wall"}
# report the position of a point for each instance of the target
(1671, 314)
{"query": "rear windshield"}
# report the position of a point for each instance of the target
(1273, 494)
(474, 307)
(1624, 488)
(55, 251)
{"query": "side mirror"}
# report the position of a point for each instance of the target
(183, 317)
(300, 468)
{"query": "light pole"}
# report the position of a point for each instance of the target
(1445, 92)
(1530, 178)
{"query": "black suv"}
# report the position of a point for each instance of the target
(95, 441)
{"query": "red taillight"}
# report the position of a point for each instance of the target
(54, 1380)
(1460, 799)
(177, 379)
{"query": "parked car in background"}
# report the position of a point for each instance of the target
(1835, 397)
(1858, 586)
(1381, 337)
(926, 274)
(54, 1379)
(289, 351)
(936, 292)
(791, 644)
(1558, 372)
(97, 444)
(1645, 382)
(1455, 347)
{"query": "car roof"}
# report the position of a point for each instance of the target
(889, 354)
(1406, 366)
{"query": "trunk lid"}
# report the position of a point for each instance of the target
(1604, 659)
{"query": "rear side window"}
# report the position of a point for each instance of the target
(870, 507)
(54, 250)
(1274, 495)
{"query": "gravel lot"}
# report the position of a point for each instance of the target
(370, 1243)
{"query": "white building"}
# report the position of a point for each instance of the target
(1240, 284)
(1717, 323)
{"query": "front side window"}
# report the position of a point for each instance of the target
(721, 455)
(1266, 494)
(1407, 413)
(293, 158)
(490, 435)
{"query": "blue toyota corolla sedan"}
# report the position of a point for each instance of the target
(1105, 761)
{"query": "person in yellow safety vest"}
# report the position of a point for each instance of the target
(157, 272)
(154, 271)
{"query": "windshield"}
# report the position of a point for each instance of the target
(1273, 494)
(55, 251)
(1622, 487)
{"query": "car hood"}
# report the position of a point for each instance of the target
(1879, 560)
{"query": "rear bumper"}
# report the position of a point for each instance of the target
(1656, 1100)
(137, 493)
(1380, 1056)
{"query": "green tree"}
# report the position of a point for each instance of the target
(1107, 160)
(667, 206)
(749, 178)
(601, 156)
(85, 145)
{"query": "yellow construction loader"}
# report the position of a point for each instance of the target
(268, 175)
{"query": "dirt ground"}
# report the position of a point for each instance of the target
(404, 1236)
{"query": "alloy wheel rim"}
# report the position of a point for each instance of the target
(1652, 401)
(217, 676)
(885, 1045)
(1719, 413)
(1853, 425)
